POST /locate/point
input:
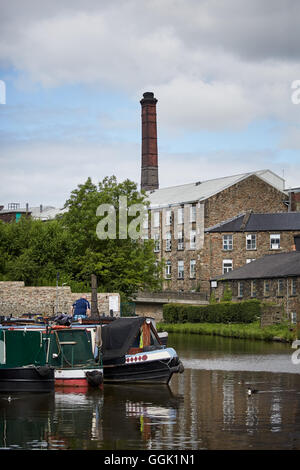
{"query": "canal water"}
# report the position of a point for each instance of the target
(206, 407)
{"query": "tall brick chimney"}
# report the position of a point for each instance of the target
(149, 176)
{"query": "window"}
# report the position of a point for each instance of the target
(240, 289)
(275, 241)
(156, 242)
(280, 287)
(180, 269)
(193, 214)
(293, 317)
(227, 265)
(180, 245)
(251, 241)
(294, 287)
(180, 215)
(168, 241)
(168, 217)
(168, 270)
(249, 260)
(253, 288)
(266, 288)
(156, 219)
(192, 239)
(192, 268)
(145, 220)
(227, 242)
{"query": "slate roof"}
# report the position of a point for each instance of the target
(201, 190)
(270, 266)
(259, 223)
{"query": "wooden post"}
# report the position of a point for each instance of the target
(94, 299)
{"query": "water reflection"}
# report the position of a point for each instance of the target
(202, 408)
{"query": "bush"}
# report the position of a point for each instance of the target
(225, 312)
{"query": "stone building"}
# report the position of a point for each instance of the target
(274, 279)
(179, 216)
(247, 237)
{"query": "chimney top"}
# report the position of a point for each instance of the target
(148, 98)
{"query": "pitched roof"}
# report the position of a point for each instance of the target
(254, 222)
(270, 266)
(202, 190)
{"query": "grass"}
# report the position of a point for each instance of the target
(278, 332)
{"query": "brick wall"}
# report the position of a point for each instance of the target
(16, 299)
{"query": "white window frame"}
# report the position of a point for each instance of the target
(294, 317)
(156, 219)
(227, 269)
(168, 217)
(266, 291)
(168, 270)
(192, 269)
(280, 291)
(253, 291)
(240, 289)
(193, 235)
(275, 237)
(228, 242)
(193, 213)
(180, 215)
(168, 241)
(180, 269)
(156, 243)
(180, 240)
(251, 237)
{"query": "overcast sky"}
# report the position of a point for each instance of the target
(75, 70)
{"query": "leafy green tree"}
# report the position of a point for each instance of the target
(121, 264)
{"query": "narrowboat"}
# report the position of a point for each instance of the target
(132, 352)
(67, 352)
(23, 361)
(71, 353)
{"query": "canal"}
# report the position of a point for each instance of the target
(207, 407)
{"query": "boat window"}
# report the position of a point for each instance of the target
(153, 339)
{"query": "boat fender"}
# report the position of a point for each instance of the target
(43, 371)
(180, 367)
(94, 378)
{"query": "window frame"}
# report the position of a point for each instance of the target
(180, 272)
(273, 235)
(193, 271)
(226, 246)
(251, 235)
(224, 261)
(168, 270)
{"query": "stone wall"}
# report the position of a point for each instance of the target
(16, 299)
(250, 194)
(214, 254)
(285, 301)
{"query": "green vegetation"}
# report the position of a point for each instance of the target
(33, 251)
(252, 330)
(224, 312)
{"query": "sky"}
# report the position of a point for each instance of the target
(224, 72)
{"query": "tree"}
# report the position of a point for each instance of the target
(121, 264)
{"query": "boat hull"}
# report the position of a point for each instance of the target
(27, 379)
(155, 367)
(77, 378)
